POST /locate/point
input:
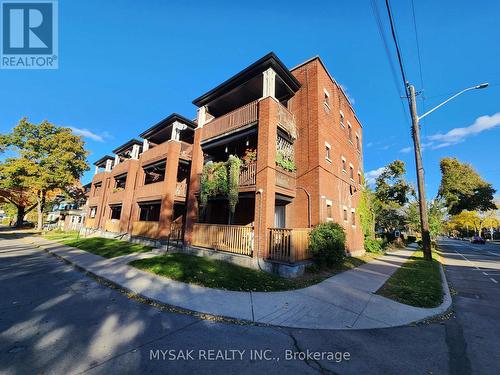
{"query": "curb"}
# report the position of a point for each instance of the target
(443, 308)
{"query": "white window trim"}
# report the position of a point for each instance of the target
(359, 140)
(325, 101)
(344, 210)
(353, 212)
(329, 203)
(344, 162)
(359, 179)
(349, 126)
(342, 119)
(329, 147)
(351, 167)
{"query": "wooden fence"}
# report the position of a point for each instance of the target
(235, 119)
(231, 238)
(112, 225)
(289, 245)
(147, 229)
(247, 174)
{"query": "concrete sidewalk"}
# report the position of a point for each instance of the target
(344, 301)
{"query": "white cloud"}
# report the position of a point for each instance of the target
(349, 96)
(88, 134)
(406, 150)
(371, 176)
(369, 144)
(458, 135)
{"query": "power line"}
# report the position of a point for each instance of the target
(398, 50)
(395, 78)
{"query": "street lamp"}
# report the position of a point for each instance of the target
(424, 220)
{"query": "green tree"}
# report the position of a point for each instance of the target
(463, 189)
(366, 211)
(392, 192)
(49, 157)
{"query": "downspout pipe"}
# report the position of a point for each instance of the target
(309, 220)
(260, 191)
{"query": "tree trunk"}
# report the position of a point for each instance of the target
(39, 208)
(20, 215)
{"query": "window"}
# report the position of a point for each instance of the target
(353, 218)
(349, 131)
(351, 172)
(97, 189)
(360, 179)
(149, 211)
(120, 182)
(93, 211)
(326, 100)
(329, 210)
(116, 212)
(328, 155)
(344, 165)
(345, 214)
(358, 143)
(342, 118)
(154, 173)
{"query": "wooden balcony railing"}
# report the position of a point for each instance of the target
(176, 231)
(181, 189)
(289, 245)
(247, 174)
(147, 229)
(233, 120)
(286, 120)
(156, 153)
(112, 225)
(231, 238)
(154, 191)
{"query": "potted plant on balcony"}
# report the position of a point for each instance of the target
(249, 157)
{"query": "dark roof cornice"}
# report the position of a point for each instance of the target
(103, 160)
(268, 61)
(165, 122)
(127, 145)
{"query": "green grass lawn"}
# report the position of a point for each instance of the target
(416, 283)
(222, 275)
(105, 247)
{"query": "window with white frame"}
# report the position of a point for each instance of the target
(326, 99)
(351, 172)
(342, 119)
(353, 217)
(329, 210)
(344, 165)
(93, 211)
(349, 131)
(358, 142)
(360, 178)
(328, 152)
(345, 213)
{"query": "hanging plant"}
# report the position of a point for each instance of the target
(234, 165)
(213, 181)
(285, 162)
(250, 156)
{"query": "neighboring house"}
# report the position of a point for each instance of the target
(301, 146)
(67, 216)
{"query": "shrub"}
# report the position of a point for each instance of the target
(327, 244)
(373, 246)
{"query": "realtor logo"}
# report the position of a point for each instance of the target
(29, 35)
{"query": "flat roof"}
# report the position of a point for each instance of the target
(166, 122)
(103, 160)
(268, 61)
(127, 145)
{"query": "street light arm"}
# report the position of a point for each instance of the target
(446, 101)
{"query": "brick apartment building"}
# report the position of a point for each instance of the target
(299, 143)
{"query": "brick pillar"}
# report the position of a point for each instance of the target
(266, 174)
(194, 186)
(167, 204)
(128, 196)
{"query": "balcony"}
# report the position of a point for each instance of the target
(116, 195)
(147, 229)
(289, 245)
(286, 121)
(156, 153)
(181, 189)
(112, 225)
(285, 179)
(232, 121)
(151, 191)
(235, 239)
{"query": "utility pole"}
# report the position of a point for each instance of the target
(422, 202)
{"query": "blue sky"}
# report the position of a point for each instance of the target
(125, 65)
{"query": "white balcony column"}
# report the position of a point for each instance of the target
(135, 152)
(177, 127)
(117, 160)
(202, 116)
(269, 83)
(96, 169)
(145, 145)
(109, 165)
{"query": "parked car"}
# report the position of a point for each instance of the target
(27, 224)
(478, 239)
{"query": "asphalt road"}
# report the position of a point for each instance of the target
(55, 320)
